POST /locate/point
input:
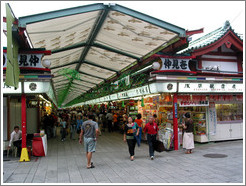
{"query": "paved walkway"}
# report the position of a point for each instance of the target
(66, 163)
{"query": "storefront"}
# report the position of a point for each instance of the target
(36, 105)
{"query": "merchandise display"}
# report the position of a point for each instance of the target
(229, 112)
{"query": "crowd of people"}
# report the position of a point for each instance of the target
(87, 126)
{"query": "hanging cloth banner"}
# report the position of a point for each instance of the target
(13, 71)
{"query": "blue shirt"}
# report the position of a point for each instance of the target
(79, 124)
(63, 124)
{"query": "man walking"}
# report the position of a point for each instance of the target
(90, 131)
(151, 129)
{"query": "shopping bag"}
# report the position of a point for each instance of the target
(158, 146)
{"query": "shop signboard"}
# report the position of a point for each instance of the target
(191, 103)
(175, 64)
(106, 98)
(212, 118)
(210, 87)
(101, 99)
(113, 97)
(36, 87)
(163, 87)
(122, 95)
(27, 60)
(11, 90)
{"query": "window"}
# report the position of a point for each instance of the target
(229, 112)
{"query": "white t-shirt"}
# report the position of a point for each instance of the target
(15, 136)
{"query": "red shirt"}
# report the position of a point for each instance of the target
(139, 122)
(151, 128)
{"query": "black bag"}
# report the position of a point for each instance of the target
(158, 146)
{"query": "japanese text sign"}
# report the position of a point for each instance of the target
(28, 60)
(175, 64)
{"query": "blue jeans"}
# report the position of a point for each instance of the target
(139, 137)
(151, 139)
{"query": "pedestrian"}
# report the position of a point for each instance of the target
(188, 137)
(151, 128)
(15, 138)
(73, 126)
(79, 124)
(139, 121)
(156, 120)
(131, 130)
(115, 120)
(109, 117)
(63, 125)
(90, 131)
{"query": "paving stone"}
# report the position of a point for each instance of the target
(66, 163)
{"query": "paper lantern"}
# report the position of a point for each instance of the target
(123, 104)
(156, 66)
(142, 102)
(46, 63)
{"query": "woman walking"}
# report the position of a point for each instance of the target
(188, 138)
(73, 125)
(130, 131)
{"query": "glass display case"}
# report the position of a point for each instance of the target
(229, 112)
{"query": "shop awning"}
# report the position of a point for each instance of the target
(94, 43)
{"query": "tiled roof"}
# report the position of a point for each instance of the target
(209, 38)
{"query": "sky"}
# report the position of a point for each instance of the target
(190, 15)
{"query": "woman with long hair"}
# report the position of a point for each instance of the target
(130, 131)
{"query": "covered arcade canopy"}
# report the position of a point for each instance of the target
(95, 43)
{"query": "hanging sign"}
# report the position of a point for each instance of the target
(106, 98)
(113, 97)
(194, 103)
(175, 64)
(26, 60)
(36, 87)
(163, 87)
(11, 90)
(212, 118)
(210, 87)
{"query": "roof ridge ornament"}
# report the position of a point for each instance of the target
(227, 25)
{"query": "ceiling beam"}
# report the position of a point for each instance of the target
(100, 66)
(81, 86)
(92, 75)
(93, 34)
(61, 66)
(78, 45)
(23, 21)
(180, 31)
(115, 50)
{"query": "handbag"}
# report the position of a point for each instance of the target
(158, 146)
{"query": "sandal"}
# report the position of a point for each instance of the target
(187, 152)
(132, 158)
(92, 166)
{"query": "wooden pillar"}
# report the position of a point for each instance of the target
(175, 122)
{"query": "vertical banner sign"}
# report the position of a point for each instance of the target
(175, 122)
(13, 71)
(212, 118)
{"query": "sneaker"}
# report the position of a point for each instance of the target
(152, 157)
